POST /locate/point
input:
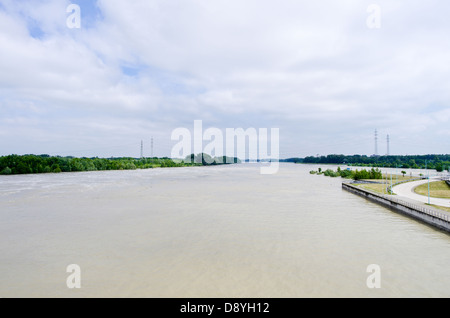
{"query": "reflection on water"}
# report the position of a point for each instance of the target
(210, 232)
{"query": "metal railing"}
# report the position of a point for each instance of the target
(424, 210)
(418, 208)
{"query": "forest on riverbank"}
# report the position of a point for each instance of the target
(438, 162)
(27, 164)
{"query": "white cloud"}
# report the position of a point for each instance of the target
(304, 66)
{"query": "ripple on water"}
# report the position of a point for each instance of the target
(210, 232)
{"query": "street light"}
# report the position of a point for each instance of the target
(390, 192)
(428, 177)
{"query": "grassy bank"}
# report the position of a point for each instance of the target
(438, 189)
(375, 187)
(379, 186)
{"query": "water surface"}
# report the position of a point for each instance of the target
(224, 231)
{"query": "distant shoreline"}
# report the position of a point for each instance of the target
(40, 164)
(438, 162)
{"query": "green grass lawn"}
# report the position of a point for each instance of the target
(395, 178)
(438, 189)
(382, 184)
(375, 187)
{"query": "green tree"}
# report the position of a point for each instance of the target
(56, 168)
(361, 175)
(22, 168)
(6, 171)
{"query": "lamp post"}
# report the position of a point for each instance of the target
(390, 192)
(428, 177)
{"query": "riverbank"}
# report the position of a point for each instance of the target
(407, 190)
(427, 214)
(36, 164)
(383, 186)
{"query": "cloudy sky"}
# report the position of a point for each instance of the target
(326, 73)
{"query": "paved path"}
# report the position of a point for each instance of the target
(407, 190)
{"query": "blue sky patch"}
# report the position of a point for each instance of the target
(90, 13)
(34, 29)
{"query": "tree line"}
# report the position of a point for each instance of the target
(27, 164)
(438, 162)
(363, 174)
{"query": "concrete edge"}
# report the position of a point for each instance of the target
(427, 215)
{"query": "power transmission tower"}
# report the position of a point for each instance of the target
(142, 149)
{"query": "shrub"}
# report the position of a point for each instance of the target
(6, 171)
(331, 173)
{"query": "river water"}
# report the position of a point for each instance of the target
(224, 231)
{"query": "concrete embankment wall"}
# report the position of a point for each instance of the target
(426, 215)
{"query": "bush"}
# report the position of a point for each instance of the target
(331, 173)
(348, 174)
(6, 171)
(364, 174)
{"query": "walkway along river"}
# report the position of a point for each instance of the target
(429, 215)
(407, 190)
